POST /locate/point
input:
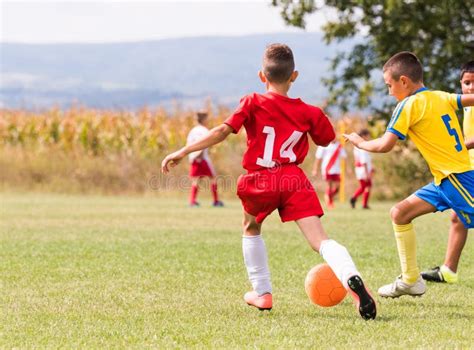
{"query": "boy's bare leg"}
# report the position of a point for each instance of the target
(335, 254)
(402, 215)
(456, 241)
(250, 226)
(341, 263)
(313, 231)
(410, 208)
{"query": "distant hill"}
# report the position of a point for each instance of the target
(130, 75)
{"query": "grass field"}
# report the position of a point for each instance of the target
(96, 272)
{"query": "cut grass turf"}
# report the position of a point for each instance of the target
(86, 271)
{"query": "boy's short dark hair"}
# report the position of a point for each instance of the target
(407, 64)
(278, 63)
(201, 116)
(467, 67)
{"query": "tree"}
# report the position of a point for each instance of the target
(439, 32)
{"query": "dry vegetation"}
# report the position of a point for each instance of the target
(96, 151)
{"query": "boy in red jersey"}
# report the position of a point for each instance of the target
(201, 165)
(277, 127)
(329, 158)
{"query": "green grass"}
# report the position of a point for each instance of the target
(95, 272)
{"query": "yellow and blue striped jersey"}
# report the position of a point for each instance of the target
(429, 119)
(468, 129)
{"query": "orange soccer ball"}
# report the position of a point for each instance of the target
(323, 287)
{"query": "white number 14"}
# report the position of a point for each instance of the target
(286, 150)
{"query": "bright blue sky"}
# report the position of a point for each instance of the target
(105, 21)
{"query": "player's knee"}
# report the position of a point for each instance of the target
(397, 215)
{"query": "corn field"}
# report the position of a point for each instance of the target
(87, 150)
(143, 133)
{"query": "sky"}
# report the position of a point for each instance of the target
(118, 21)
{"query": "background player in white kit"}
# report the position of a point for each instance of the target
(363, 172)
(201, 165)
(329, 158)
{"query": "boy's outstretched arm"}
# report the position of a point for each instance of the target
(382, 144)
(467, 100)
(215, 136)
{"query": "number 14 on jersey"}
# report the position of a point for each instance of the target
(286, 149)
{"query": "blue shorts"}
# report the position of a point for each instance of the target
(456, 192)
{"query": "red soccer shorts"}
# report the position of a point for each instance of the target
(285, 188)
(332, 177)
(200, 168)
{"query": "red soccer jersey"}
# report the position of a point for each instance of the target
(277, 128)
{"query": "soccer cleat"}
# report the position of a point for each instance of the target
(194, 204)
(218, 204)
(366, 207)
(440, 274)
(262, 302)
(364, 301)
(353, 203)
(399, 288)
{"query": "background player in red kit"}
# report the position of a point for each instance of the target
(329, 158)
(201, 165)
(277, 127)
(364, 172)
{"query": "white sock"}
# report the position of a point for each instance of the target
(339, 259)
(256, 262)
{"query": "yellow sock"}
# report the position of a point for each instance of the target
(406, 244)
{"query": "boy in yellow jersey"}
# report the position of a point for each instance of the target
(428, 118)
(457, 232)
